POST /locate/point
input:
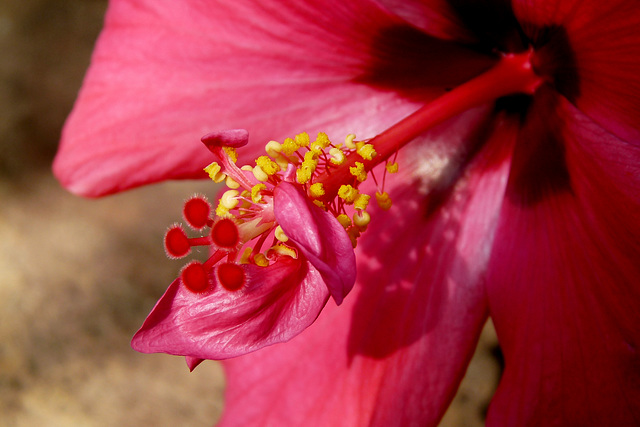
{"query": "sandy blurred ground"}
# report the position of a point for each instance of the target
(77, 277)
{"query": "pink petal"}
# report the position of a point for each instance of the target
(564, 278)
(393, 353)
(278, 302)
(193, 362)
(165, 73)
(604, 38)
(320, 237)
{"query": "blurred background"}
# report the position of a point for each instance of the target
(78, 277)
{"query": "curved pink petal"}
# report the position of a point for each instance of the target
(165, 73)
(394, 352)
(320, 237)
(564, 278)
(277, 303)
(193, 362)
(597, 44)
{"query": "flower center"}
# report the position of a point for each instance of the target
(243, 227)
(330, 174)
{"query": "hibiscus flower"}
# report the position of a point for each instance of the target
(243, 298)
(524, 208)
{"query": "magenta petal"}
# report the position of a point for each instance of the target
(165, 73)
(564, 282)
(193, 362)
(320, 237)
(277, 303)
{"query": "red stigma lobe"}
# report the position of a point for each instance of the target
(176, 242)
(196, 212)
(194, 276)
(231, 276)
(225, 234)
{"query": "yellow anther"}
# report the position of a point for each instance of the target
(260, 260)
(362, 201)
(316, 190)
(319, 204)
(289, 146)
(246, 256)
(358, 171)
(231, 183)
(315, 148)
(304, 172)
(283, 250)
(231, 152)
(348, 141)
(348, 193)
(392, 167)
(247, 168)
(361, 219)
(383, 199)
(260, 174)
(302, 139)
(222, 212)
(273, 148)
(311, 157)
(322, 140)
(256, 197)
(366, 151)
(337, 156)
(267, 165)
(229, 199)
(279, 233)
(353, 233)
(215, 172)
(283, 162)
(344, 220)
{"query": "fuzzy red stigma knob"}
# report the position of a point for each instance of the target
(176, 242)
(231, 276)
(225, 234)
(194, 277)
(196, 212)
